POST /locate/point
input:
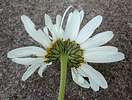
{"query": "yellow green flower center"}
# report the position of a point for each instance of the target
(70, 48)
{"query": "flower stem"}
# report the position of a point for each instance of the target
(63, 61)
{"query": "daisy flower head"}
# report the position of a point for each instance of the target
(72, 46)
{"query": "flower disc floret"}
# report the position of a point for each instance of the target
(68, 47)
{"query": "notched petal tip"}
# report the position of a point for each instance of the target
(9, 54)
(105, 86)
(94, 86)
(122, 55)
(95, 90)
(78, 79)
(41, 70)
(96, 78)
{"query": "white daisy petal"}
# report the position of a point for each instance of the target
(38, 36)
(45, 29)
(27, 61)
(102, 49)
(59, 32)
(42, 38)
(81, 72)
(98, 40)
(26, 51)
(28, 24)
(58, 27)
(94, 76)
(103, 57)
(81, 15)
(66, 36)
(103, 82)
(73, 25)
(49, 24)
(78, 79)
(97, 78)
(93, 85)
(65, 15)
(88, 29)
(30, 70)
(56, 30)
(69, 18)
(58, 20)
(48, 21)
(42, 69)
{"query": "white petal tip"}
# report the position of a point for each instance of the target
(95, 90)
(105, 85)
(24, 17)
(99, 17)
(10, 54)
(110, 33)
(46, 15)
(42, 69)
(40, 74)
(14, 60)
(122, 56)
(23, 79)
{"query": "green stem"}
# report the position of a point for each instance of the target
(63, 61)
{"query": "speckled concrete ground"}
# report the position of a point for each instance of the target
(117, 18)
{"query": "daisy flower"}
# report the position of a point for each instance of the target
(74, 48)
